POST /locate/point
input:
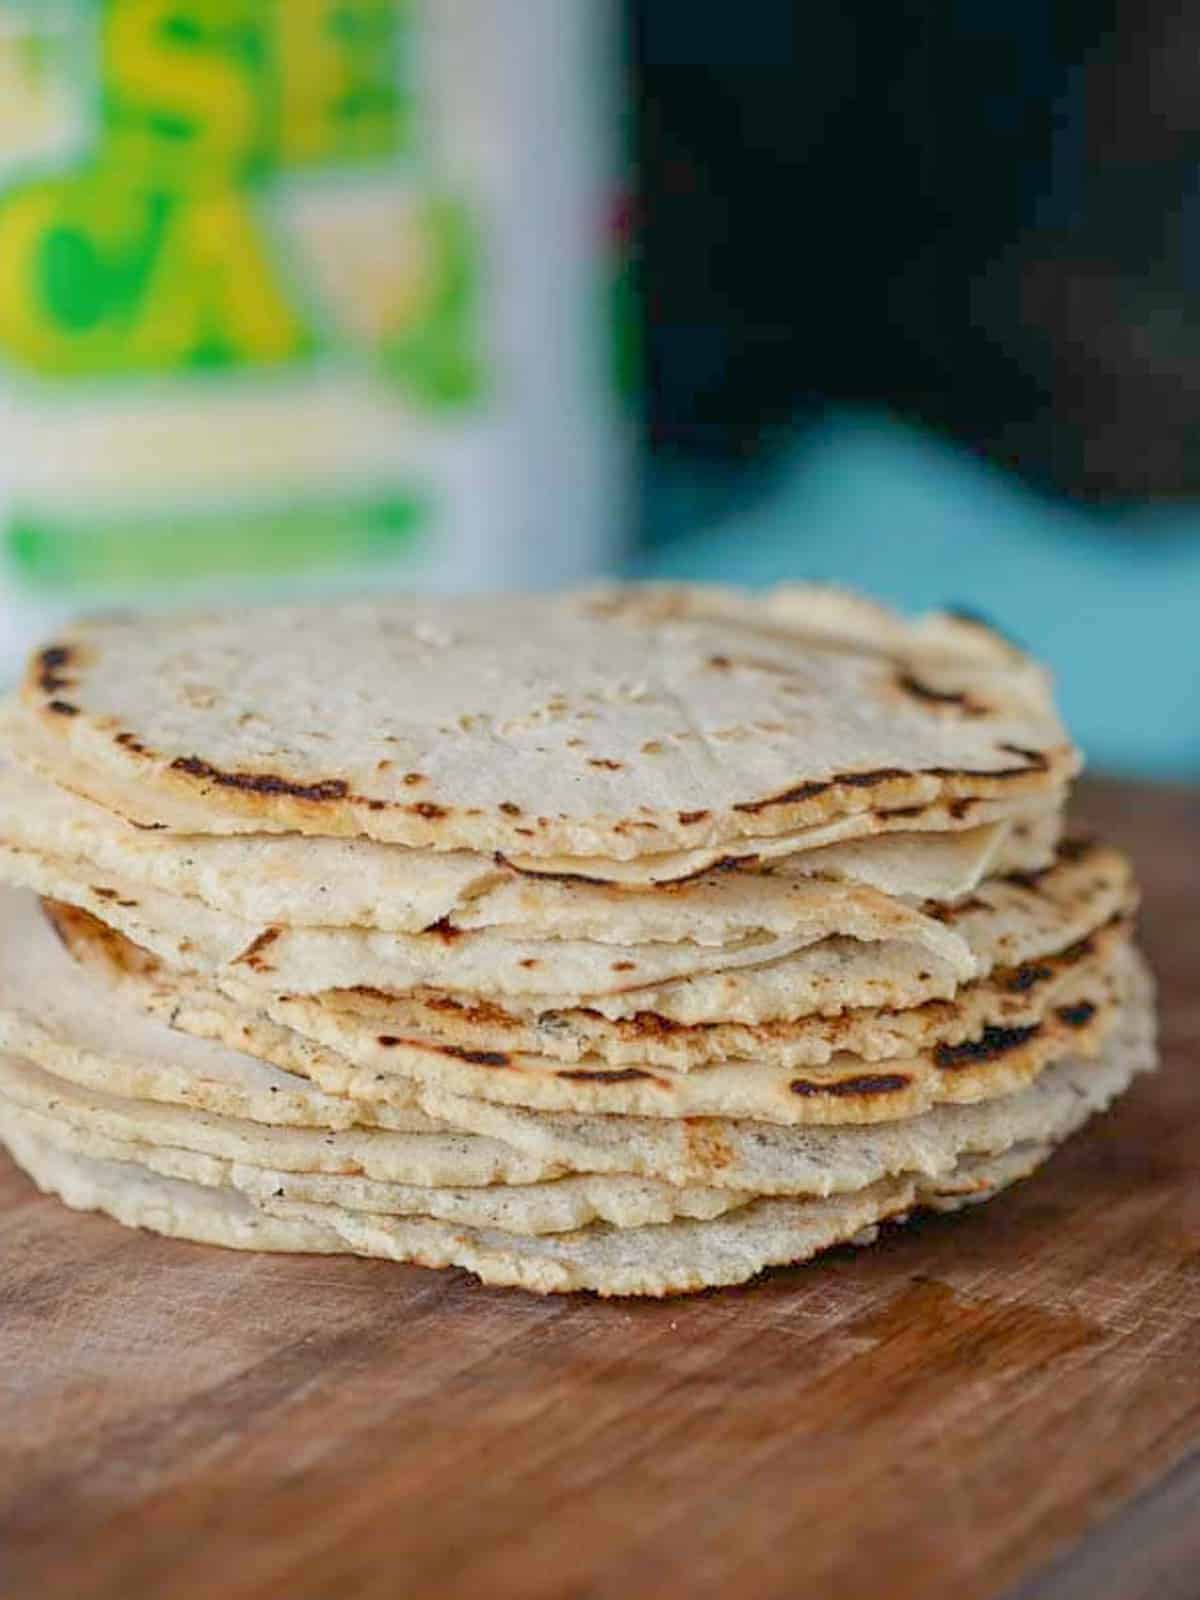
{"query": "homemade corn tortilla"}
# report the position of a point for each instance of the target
(439, 1160)
(665, 868)
(1062, 971)
(655, 1261)
(1058, 1009)
(846, 1089)
(935, 1150)
(770, 1159)
(63, 1015)
(26, 743)
(301, 882)
(364, 953)
(499, 961)
(1004, 923)
(613, 726)
(684, 1151)
(1010, 996)
(274, 877)
(696, 1152)
(672, 1258)
(559, 1205)
(1059, 998)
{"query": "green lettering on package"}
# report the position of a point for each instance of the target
(168, 246)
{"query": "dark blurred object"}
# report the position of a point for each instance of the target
(984, 216)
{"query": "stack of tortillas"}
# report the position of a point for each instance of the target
(633, 941)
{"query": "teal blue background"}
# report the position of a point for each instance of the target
(1111, 598)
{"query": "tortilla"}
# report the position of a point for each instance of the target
(740, 1154)
(844, 1090)
(770, 1159)
(632, 941)
(1062, 927)
(453, 1160)
(667, 867)
(659, 1261)
(300, 882)
(1006, 922)
(273, 878)
(725, 906)
(1064, 1009)
(673, 1258)
(61, 1015)
(506, 961)
(562, 1204)
(559, 1205)
(1010, 996)
(615, 725)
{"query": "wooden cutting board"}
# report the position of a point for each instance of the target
(1009, 1397)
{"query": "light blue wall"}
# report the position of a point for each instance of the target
(1110, 599)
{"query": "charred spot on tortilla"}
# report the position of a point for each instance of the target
(1033, 761)
(803, 791)
(948, 914)
(1027, 976)
(50, 662)
(648, 1024)
(251, 956)
(991, 1044)
(103, 893)
(618, 1075)
(476, 1058)
(1037, 760)
(322, 792)
(428, 810)
(1077, 1015)
(868, 1083)
(956, 699)
(1025, 880)
(1070, 853)
(475, 1010)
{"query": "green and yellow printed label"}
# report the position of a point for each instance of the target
(209, 193)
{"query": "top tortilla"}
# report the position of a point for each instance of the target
(616, 725)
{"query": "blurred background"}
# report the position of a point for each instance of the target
(326, 295)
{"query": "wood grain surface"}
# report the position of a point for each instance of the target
(1003, 1401)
